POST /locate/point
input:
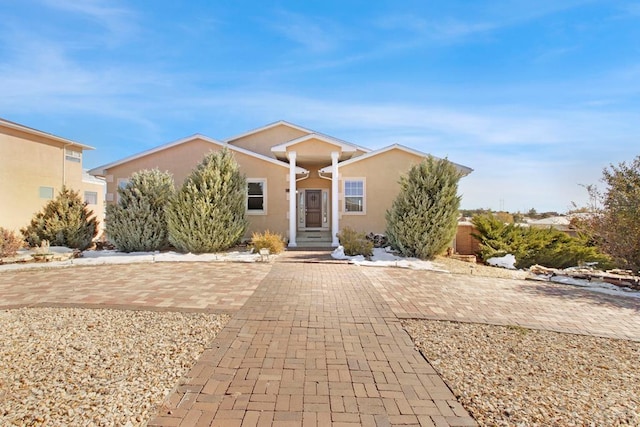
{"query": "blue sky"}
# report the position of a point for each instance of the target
(536, 96)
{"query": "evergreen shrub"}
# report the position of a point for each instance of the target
(64, 221)
(547, 247)
(423, 219)
(138, 222)
(207, 213)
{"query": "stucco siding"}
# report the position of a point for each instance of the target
(29, 163)
(381, 174)
(313, 149)
(180, 160)
(276, 202)
(261, 142)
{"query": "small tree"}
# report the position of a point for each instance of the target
(64, 221)
(138, 222)
(615, 225)
(423, 219)
(9, 243)
(207, 213)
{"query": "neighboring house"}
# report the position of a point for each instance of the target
(302, 184)
(34, 167)
(560, 223)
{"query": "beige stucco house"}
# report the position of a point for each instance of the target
(34, 166)
(300, 183)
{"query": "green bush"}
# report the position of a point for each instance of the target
(548, 247)
(138, 222)
(267, 240)
(423, 219)
(10, 242)
(207, 213)
(64, 221)
(355, 243)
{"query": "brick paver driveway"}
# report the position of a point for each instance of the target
(313, 342)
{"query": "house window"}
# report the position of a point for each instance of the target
(73, 155)
(46, 192)
(354, 195)
(91, 197)
(256, 196)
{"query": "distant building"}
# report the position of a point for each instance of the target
(34, 165)
(560, 223)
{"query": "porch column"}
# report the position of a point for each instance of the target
(335, 226)
(292, 199)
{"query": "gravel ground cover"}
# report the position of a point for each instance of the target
(61, 366)
(511, 376)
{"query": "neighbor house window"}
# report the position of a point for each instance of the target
(256, 196)
(46, 192)
(354, 195)
(91, 197)
(73, 155)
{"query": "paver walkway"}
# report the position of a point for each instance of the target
(219, 287)
(314, 341)
(314, 345)
(536, 305)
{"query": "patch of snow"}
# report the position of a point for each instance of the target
(115, 257)
(592, 285)
(338, 253)
(507, 261)
(386, 258)
(60, 250)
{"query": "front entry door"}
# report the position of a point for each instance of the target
(313, 213)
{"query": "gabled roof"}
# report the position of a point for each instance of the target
(101, 170)
(269, 126)
(344, 146)
(463, 169)
(26, 129)
(297, 127)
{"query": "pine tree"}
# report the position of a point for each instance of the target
(423, 218)
(138, 222)
(207, 213)
(64, 221)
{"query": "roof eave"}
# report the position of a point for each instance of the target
(36, 132)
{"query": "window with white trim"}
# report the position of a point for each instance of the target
(91, 197)
(256, 196)
(354, 195)
(73, 155)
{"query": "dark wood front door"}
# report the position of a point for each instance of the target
(313, 215)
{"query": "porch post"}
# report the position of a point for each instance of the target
(334, 199)
(292, 199)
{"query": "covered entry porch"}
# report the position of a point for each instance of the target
(314, 195)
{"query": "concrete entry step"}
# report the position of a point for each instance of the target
(314, 239)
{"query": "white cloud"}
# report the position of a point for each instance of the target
(314, 35)
(117, 20)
